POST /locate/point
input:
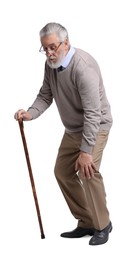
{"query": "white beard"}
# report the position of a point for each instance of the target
(58, 63)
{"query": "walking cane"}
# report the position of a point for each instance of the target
(21, 126)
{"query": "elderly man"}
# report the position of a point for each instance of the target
(73, 79)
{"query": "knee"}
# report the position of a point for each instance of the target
(60, 173)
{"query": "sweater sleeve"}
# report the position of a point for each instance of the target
(43, 100)
(88, 87)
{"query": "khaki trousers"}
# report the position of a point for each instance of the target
(86, 198)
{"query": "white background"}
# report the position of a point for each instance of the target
(109, 30)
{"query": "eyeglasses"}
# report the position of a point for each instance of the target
(51, 49)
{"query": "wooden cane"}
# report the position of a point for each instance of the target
(21, 126)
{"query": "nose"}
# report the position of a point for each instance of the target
(49, 53)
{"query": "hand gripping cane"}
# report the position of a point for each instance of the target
(21, 126)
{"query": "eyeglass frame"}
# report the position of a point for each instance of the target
(47, 50)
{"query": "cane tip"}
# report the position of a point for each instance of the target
(42, 236)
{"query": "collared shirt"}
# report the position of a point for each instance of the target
(68, 57)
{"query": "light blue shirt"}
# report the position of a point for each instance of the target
(68, 57)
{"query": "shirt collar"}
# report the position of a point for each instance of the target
(68, 57)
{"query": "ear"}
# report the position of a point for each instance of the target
(66, 43)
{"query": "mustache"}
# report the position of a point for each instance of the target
(52, 57)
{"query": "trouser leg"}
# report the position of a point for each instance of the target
(68, 180)
(85, 198)
(94, 188)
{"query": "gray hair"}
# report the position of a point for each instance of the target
(57, 28)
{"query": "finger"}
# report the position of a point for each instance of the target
(18, 114)
(83, 172)
(21, 114)
(91, 170)
(87, 172)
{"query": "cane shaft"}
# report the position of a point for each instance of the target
(21, 125)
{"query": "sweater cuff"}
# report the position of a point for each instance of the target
(33, 112)
(86, 149)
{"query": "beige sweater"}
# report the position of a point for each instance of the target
(80, 96)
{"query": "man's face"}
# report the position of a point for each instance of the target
(55, 50)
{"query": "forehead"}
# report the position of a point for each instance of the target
(49, 39)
